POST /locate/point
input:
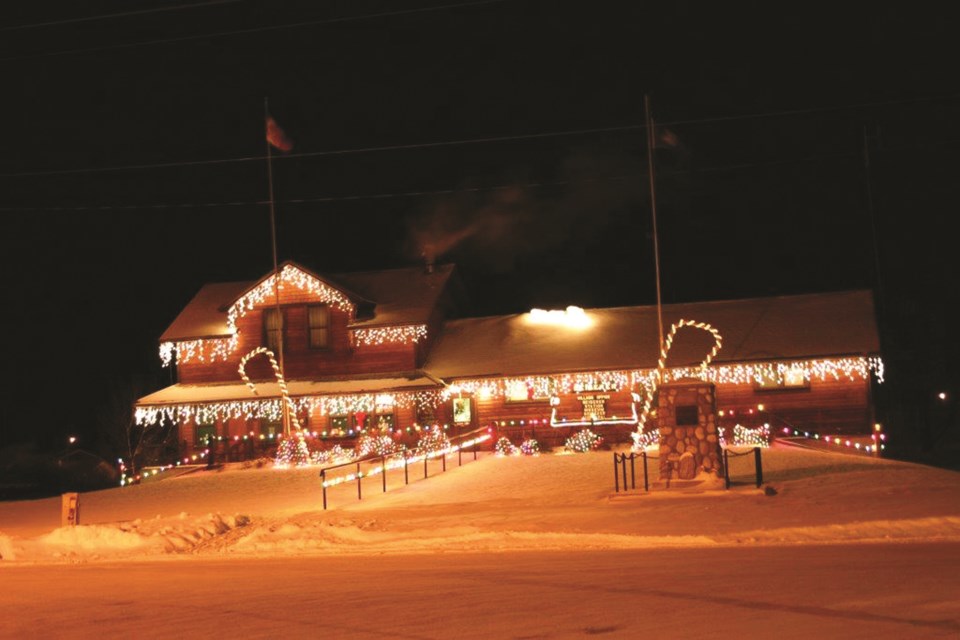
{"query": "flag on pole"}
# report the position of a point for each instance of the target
(276, 136)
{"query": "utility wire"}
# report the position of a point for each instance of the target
(467, 141)
(110, 16)
(434, 192)
(279, 27)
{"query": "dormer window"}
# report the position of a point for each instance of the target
(318, 326)
(272, 328)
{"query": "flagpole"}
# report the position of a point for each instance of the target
(285, 413)
(653, 211)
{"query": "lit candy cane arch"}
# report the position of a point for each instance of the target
(665, 349)
(280, 381)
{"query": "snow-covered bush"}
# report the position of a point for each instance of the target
(505, 448)
(293, 452)
(381, 445)
(433, 440)
(530, 447)
(583, 441)
(645, 440)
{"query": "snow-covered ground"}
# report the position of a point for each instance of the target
(551, 502)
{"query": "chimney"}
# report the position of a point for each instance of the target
(429, 258)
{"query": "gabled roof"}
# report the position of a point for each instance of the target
(784, 327)
(398, 296)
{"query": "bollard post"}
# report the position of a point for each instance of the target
(383, 471)
(359, 494)
(759, 465)
(623, 470)
(646, 482)
(616, 474)
(69, 509)
(323, 484)
(726, 469)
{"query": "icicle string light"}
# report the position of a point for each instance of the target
(204, 350)
(408, 334)
(290, 276)
(280, 381)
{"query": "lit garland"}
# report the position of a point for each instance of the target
(204, 350)
(289, 276)
(744, 437)
(583, 441)
(843, 441)
(127, 480)
(409, 334)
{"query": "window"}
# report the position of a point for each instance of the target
(461, 410)
(318, 326)
(272, 328)
(687, 415)
(206, 432)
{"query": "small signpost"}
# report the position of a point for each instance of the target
(69, 509)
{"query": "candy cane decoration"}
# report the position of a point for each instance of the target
(661, 363)
(280, 381)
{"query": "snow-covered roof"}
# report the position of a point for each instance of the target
(401, 296)
(783, 327)
(194, 393)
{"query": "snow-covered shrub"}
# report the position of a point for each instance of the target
(530, 447)
(505, 448)
(583, 441)
(645, 440)
(292, 452)
(334, 455)
(433, 440)
(381, 445)
(759, 437)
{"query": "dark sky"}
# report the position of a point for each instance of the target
(133, 169)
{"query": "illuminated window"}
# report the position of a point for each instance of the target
(205, 432)
(271, 427)
(461, 410)
(318, 326)
(340, 423)
(385, 421)
(272, 328)
(772, 380)
(520, 391)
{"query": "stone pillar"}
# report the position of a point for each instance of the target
(689, 442)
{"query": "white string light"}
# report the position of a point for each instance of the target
(409, 334)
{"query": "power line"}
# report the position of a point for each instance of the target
(434, 192)
(466, 141)
(279, 27)
(110, 16)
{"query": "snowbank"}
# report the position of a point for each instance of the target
(550, 502)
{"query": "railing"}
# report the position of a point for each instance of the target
(757, 464)
(395, 461)
(620, 461)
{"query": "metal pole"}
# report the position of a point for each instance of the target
(646, 482)
(726, 469)
(284, 409)
(406, 468)
(323, 483)
(623, 470)
(616, 473)
(359, 495)
(759, 464)
(383, 471)
(653, 207)
(444, 458)
(633, 472)
(424, 465)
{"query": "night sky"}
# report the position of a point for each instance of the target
(134, 167)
